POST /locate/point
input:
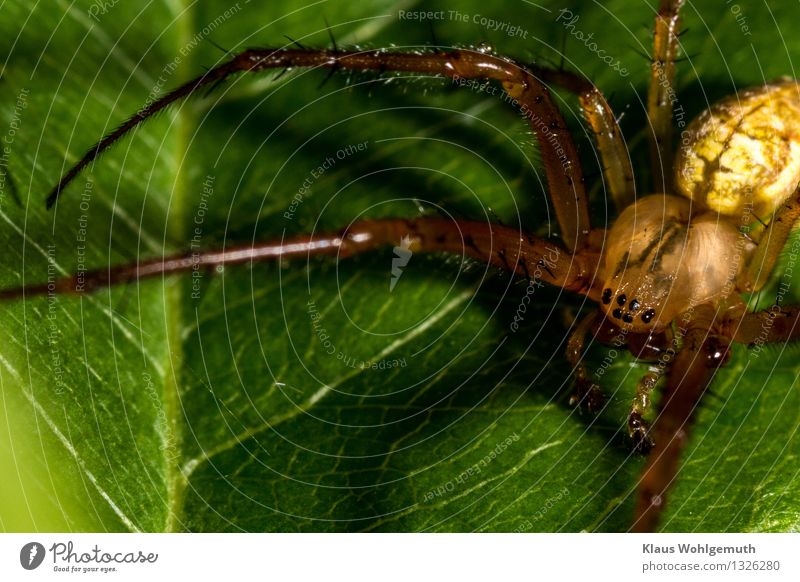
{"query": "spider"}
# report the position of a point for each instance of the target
(667, 276)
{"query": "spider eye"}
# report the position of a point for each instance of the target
(635, 305)
(617, 313)
(621, 300)
(648, 315)
(607, 296)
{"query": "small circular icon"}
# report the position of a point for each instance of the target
(31, 555)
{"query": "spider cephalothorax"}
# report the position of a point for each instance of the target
(662, 259)
(667, 275)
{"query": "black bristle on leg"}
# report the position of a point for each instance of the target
(330, 35)
(331, 72)
(294, 42)
(434, 41)
(213, 87)
(213, 43)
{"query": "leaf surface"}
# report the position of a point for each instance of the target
(310, 396)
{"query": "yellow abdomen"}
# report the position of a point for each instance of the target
(743, 151)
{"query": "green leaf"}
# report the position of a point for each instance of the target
(240, 400)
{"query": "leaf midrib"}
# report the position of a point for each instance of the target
(173, 315)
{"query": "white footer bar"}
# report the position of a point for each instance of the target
(400, 557)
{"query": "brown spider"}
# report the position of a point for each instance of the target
(667, 276)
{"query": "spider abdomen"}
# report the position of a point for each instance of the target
(661, 260)
(744, 152)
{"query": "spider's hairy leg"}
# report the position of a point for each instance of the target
(693, 368)
(759, 266)
(499, 246)
(587, 393)
(661, 92)
(659, 349)
(531, 96)
(778, 324)
(706, 345)
(638, 428)
(610, 141)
